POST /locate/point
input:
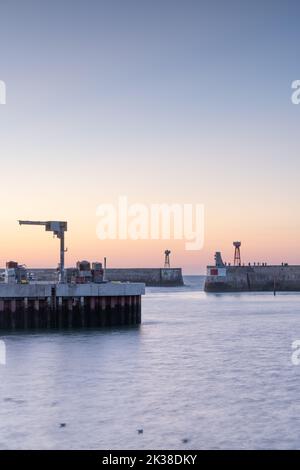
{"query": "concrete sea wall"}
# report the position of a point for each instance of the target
(149, 276)
(253, 278)
(36, 306)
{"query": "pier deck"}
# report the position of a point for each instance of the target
(70, 305)
(253, 278)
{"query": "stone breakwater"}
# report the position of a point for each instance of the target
(149, 276)
(252, 278)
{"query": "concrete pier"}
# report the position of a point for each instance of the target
(149, 276)
(163, 277)
(252, 278)
(35, 306)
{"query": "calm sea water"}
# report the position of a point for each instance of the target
(214, 370)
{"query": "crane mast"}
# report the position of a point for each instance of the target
(58, 228)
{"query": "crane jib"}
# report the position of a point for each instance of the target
(58, 228)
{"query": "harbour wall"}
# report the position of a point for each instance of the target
(253, 278)
(36, 306)
(149, 276)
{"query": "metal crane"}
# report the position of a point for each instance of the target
(58, 228)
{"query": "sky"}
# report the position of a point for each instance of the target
(163, 101)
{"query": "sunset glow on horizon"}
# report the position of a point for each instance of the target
(145, 101)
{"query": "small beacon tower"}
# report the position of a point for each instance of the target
(167, 258)
(237, 253)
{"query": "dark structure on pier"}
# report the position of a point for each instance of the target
(223, 277)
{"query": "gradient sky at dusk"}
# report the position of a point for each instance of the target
(171, 101)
